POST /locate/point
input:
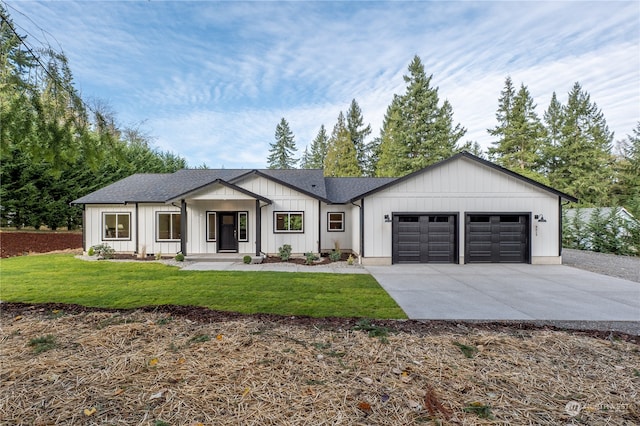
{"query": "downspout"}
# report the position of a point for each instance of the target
(319, 226)
(183, 227)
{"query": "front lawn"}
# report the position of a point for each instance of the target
(65, 279)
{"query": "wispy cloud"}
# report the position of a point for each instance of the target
(214, 78)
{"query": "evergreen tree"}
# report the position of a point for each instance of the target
(628, 167)
(319, 148)
(342, 158)
(391, 161)
(282, 150)
(553, 122)
(583, 160)
(306, 159)
(519, 132)
(473, 148)
(358, 132)
(417, 131)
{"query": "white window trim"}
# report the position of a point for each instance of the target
(171, 230)
(215, 224)
(246, 214)
(287, 231)
(104, 224)
(329, 222)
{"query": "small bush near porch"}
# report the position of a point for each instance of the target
(65, 279)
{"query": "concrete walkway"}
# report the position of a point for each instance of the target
(509, 292)
(335, 268)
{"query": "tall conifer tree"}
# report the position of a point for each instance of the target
(583, 160)
(342, 157)
(417, 131)
(281, 152)
(319, 148)
(358, 132)
(519, 133)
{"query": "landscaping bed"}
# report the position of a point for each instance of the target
(173, 365)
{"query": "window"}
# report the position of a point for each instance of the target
(335, 222)
(168, 228)
(117, 226)
(212, 226)
(289, 221)
(243, 235)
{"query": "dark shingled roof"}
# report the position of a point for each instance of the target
(341, 190)
(161, 188)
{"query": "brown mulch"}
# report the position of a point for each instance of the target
(323, 260)
(187, 366)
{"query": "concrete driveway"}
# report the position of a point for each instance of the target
(509, 292)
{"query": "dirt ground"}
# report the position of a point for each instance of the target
(64, 364)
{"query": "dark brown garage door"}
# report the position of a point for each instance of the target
(424, 238)
(497, 238)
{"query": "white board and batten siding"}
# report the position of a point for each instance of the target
(94, 226)
(285, 199)
(341, 239)
(148, 229)
(461, 187)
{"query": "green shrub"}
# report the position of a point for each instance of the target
(350, 260)
(104, 251)
(310, 258)
(180, 257)
(284, 252)
(335, 255)
(158, 255)
(91, 251)
(247, 259)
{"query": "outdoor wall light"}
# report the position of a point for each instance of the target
(540, 218)
(387, 218)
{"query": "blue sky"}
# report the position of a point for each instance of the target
(211, 80)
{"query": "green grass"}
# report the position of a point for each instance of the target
(64, 279)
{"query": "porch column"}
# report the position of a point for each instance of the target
(183, 227)
(258, 228)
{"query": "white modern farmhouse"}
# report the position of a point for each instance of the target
(461, 210)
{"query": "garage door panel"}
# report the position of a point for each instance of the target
(433, 234)
(495, 238)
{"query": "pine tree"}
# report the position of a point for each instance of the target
(553, 122)
(305, 160)
(342, 157)
(319, 148)
(282, 150)
(628, 167)
(391, 161)
(503, 114)
(417, 132)
(519, 132)
(583, 157)
(358, 132)
(473, 148)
